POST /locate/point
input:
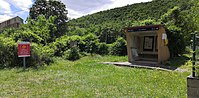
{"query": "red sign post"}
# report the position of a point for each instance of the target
(24, 51)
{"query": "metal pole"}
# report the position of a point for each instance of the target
(24, 62)
(194, 55)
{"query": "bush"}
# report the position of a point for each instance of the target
(64, 43)
(119, 47)
(176, 44)
(89, 43)
(40, 55)
(72, 54)
(60, 45)
(102, 49)
(8, 52)
(26, 35)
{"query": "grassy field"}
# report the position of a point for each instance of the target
(88, 78)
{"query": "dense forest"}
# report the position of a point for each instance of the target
(98, 33)
(107, 25)
(131, 13)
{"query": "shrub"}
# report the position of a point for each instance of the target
(64, 43)
(24, 35)
(89, 43)
(102, 49)
(176, 44)
(40, 54)
(72, 54)
(119, 47)
(8, 52)
(74, 40)
(60, 45)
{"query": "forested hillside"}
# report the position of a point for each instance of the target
(107, 25)
(130, 13)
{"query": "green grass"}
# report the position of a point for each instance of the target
(88, 78)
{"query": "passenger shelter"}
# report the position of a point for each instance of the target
(147, 44)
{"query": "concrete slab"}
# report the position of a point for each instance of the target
(146, 66)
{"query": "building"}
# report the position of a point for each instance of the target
(147, 44)
(13, 22)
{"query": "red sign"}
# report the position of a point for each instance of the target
(23, 49)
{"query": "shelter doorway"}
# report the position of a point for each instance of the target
(144, 47)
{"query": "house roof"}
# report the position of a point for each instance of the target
(11, 18)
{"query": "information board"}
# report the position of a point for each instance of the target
(23, 49)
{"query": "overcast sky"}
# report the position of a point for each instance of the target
(76, 8)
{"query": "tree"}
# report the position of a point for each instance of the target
(51, 8)
(174, 21)
(194, 15)
(40, 31)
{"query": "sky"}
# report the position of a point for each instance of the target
(76, 8)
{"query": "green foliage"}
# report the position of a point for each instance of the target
(176, 44)
(8, 31)
(149, 22)
(194, 15)
(74, 38)
(145, 22)
(74, 30)
(40, 31)
(8, 52)
(89, 43)
(125, 16)
(72, 54)
(119, 47)
(24, 35)
(100, 33)
(173, 21)
(40, 55)
(50, 8)
(60, 45)
(64, 43)
(108, 33)
(171, 16)
(197, 70)
(42, 27)
(102, 49)
(108, 25)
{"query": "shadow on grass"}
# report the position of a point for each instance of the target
(176, 62)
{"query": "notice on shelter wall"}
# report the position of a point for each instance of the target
(164, 36)
(148, 43)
